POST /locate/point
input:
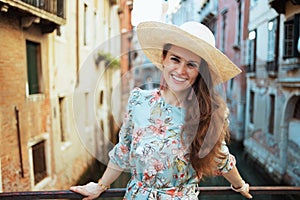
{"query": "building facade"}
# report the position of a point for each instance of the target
(47, 45)
(231, 34)
(260, 37)
(26, 131)
(272, 111)
(83, 81)
(187, 10)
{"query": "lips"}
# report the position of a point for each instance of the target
(178, 79)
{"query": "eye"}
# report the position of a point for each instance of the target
(192, 65)
(175, 59)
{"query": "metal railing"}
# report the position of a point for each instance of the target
(56, 7)
(119, 192)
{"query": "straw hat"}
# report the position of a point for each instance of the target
(193, 36)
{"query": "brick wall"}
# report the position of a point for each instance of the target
(33, 112)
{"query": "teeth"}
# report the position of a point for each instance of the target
(179, 79)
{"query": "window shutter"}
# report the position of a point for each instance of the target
(291, 36)
(296, 35)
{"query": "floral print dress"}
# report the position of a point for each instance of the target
(150, 146)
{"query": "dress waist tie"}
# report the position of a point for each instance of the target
(183, 192)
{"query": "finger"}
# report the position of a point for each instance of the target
(250, 196)
(247, 194)
(73, 188)
(79, 189)
(89, 198)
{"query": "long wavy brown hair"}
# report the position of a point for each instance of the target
(206, 128)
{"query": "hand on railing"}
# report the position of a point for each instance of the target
(244, 190)
(91, 190)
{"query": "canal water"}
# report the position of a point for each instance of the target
(249, 170)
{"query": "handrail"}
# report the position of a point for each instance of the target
(119, 192)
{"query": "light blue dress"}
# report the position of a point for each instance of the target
(150, 146)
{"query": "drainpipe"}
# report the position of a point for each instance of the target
(19, 141)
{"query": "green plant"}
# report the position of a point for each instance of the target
(110, 61)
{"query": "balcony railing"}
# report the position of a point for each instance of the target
(272, 68)
(48, 14)
(119, 192)
(56, 7)
(208, 11)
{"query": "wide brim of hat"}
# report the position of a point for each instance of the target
(153, 36)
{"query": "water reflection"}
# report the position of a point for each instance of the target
(250, 172)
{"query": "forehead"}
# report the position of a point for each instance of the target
(184, 53)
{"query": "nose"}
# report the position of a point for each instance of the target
(181, 68)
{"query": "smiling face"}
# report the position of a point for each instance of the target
(181, 68)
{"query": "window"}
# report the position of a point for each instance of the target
(102, 126)
(101, 98)
(273, 38)
(231, 84)
(251, 52)
(60, 7)
(223, 33)
(39, 161)
(271, 114)
(85, 26)
(239, 24)
(34, 69)
(291, 35)
(294, 122)
(63, 110)
(297, 110)
(251, 107)
(88, 25)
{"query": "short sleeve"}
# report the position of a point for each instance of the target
(226, 164)
(120, 154)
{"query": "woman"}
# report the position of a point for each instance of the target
(174, 136)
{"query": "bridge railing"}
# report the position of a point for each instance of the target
(119, 192)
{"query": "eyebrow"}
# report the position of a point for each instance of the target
(190, 61)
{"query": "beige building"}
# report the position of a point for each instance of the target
(54, 115)
(81, 81)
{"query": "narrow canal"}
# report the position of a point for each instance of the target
(249, 170)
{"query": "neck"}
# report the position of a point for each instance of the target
(175, 98)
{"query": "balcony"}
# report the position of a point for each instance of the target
(279, 5)
(48, 14)
(208, 11)
(272, 68)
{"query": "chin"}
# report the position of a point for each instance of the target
(179, 89)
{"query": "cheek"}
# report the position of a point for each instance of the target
(165, 72)
(168, 65)
(166, 75)
(167, 68)
(193, 74)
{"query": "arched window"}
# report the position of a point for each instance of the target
(297, 110)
